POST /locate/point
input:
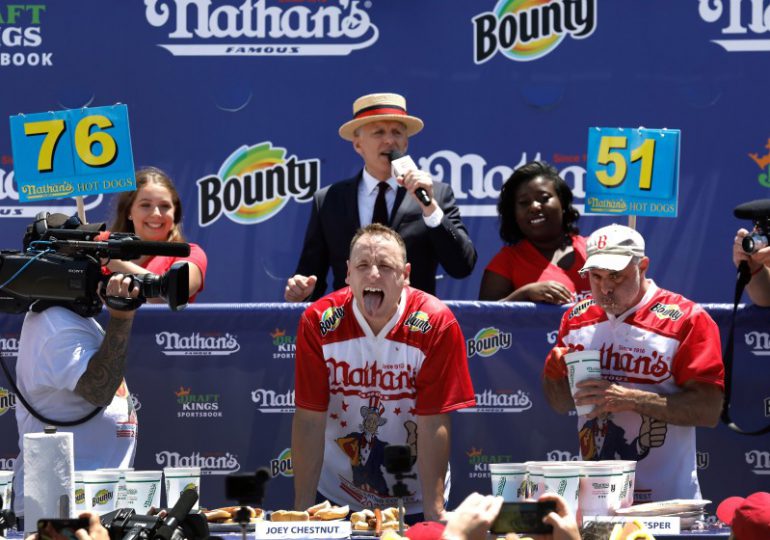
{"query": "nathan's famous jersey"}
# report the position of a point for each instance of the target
(373, 387)
(657, 346)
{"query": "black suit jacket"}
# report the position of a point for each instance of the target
(334, 220)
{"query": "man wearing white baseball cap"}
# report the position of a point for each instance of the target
(433, 233)
(661, 367)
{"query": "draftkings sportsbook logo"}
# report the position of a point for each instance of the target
(7, 400)
(281, 466)
(254, 183)
(270, 401)
(197, 405)
(759, 461)
(21, 36)
(759, 342)
(252, 28)
(284, 345)
(745, 25)
(213, 463)
(479, 462)
(524, 30)
(488, 341)
(493, 402)
(195, 344)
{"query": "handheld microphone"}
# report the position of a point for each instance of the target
(401, 165)
(186, 501)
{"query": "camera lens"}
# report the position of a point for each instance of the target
(754, 242)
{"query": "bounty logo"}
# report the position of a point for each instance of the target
(175, 344)
(763, 162)
(488, 341)
(744, 26)
(759, 461)
(101, 497)
(418, 322)
(759, 342)
(7, 400)
(330, 319)
(197, 405)
(282, 465)
(525, 30)
(315, 28)
(702, 460)
(492, 402)
(284, 345)
(254, 184)
(667, 311)
(215, 464)
(479, 462)
(270, 401)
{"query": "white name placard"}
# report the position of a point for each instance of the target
(273, 530)
(654, 524)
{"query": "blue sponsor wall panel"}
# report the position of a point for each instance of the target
(214, 386)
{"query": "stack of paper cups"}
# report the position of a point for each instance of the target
(582, 365)
(49, 472)
(563, 478)
(509, 481)
(6, 485)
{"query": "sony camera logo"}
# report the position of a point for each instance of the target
(254, 29)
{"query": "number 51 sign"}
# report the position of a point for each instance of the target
(72, 152)
(632, 171)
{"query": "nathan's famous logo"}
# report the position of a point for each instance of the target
(759, 342)
(7, 400)
(488, 341)
(252, 28)
(479, 462)
(46, 191)
(552, 336)
(610, 206)
(525, 30)
(214, 463)
(702, 460)
(759, 461)
(388, 377)
(197, 405)
(26, 210)
(330, 319)
(503, 402)
(476, 183)
(667, 311)
(9, 345)
(418, 322)
(282, 465)
(284, 345)
(195, 344)
(20, 35)
(254, 184)
(763, 162)
(742, 26)
(270, 401)
(634, 365)
(561, 455)
(103, 496)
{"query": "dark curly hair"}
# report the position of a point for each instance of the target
(506, 207)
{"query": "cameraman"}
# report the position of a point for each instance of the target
(759, 286)
(67, 365)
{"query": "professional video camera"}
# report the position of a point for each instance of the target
(179, 523)
(62, 266)
(759, 212)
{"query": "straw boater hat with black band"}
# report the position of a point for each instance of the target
(377, 108)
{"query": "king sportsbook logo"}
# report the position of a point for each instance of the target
(254, 183)
(197, 405)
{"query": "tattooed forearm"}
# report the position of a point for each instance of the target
(107, 366)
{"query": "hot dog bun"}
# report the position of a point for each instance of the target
(289, 515)
(335, 512)
(321, 506)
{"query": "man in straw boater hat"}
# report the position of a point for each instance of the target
(434, 234)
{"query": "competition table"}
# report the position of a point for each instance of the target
(213, 386)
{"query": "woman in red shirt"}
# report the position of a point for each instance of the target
(544, 251)
(154, 213)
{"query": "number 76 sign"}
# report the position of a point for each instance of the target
(72, 152)
(632, 171)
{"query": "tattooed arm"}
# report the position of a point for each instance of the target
(108, 364)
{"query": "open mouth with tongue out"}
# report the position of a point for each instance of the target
(373, 298)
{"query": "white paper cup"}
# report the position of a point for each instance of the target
(100, 490)
(600, 486)
(582, 365)
(120, 500)
(535, 479)
(509, 480)
(179, 479)
(80, 494)
(143, 490)
(628, 469)
(6, 489)
(564, 480)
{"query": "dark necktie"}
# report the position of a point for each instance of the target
(380, 214)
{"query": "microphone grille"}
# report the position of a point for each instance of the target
(394, 155)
